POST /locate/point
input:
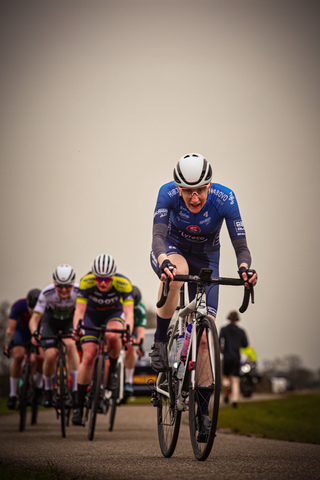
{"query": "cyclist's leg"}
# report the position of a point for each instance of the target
(158, 355)
(114, 344)
(21, 338)
(18, 353)
(129, 364)
(210, 260)
(50, 354)
(89, 345)
(72, 357)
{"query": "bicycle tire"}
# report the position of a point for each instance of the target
(168, 416)
(97, 379)
(114, 401)
(24, 388)
(62, 374)
(34, 403)
(207, 384)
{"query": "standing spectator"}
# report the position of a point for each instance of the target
(232, 338)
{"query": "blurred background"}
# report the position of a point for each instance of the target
(99, 101)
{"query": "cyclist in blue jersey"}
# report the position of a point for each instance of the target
(104, 298)
(17, 337)
(188, 218)
(138, 334)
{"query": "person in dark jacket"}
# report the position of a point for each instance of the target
(231, 339)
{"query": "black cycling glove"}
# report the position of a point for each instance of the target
(248, 271)
(165, 264)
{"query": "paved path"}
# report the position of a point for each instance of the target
(131, 451)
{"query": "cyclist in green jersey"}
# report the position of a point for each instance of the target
(139, 333)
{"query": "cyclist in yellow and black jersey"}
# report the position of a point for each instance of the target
(104, 298)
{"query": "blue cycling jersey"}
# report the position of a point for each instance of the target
(198, 233)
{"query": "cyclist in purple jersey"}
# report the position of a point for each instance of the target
(18, 337)
(187, 221)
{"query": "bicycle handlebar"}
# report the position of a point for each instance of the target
(105, 329)
(205, 279)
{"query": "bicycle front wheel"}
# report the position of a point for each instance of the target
(205, 386)
(62, 379)
(168, 416)
(24, 388)
(95, 397)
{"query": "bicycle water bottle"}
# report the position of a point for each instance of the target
(184, 351)
(179, 350)
(179, 345)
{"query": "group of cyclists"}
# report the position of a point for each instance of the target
(189, 213)
(103, 296)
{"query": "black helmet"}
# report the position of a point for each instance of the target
(32, 297)
(136, 295)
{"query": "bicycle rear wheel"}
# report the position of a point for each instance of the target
(24, 388)
(204, 396)
(98, 380)
(62, 379)
(114, 400)
(168, 416)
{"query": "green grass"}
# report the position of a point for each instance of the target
(292, 419)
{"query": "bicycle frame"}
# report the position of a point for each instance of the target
(197, 388)
(179, 322)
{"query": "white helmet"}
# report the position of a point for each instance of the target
(64, 274)
(104, 266)
(192, 171)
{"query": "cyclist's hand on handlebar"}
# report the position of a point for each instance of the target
(167, 269)
(35, 338)
(76, 334)
(249, 275)
(7, 351)
(140, 351)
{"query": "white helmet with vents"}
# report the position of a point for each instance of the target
(192, 171)
(104, 266)
(64, 274)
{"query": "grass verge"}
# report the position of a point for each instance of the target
(291, 419)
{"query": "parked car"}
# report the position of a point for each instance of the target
(143, 373)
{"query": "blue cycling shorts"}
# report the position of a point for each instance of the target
(98, 319)
(206, 260)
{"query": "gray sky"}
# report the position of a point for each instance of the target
(99, 101)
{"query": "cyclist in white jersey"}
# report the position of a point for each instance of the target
(55, 308)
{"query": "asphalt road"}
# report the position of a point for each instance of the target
(132, 451)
